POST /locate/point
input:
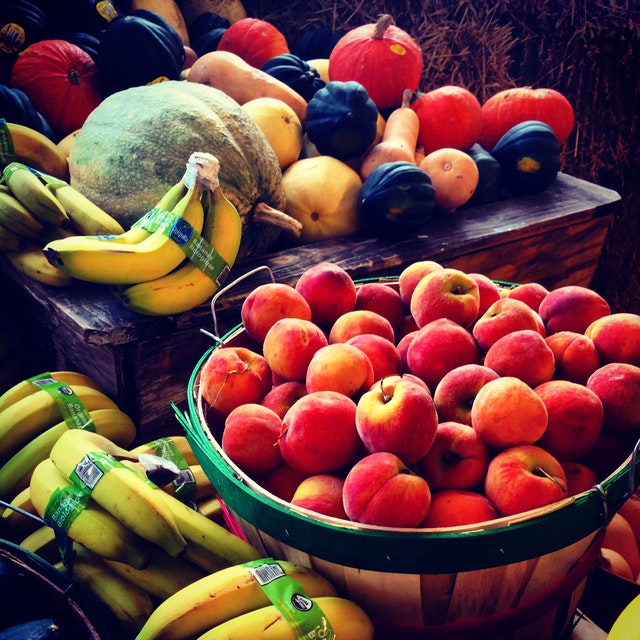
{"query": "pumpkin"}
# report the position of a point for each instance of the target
(450, 116)
(135, 145)
(507, 108)
(85, 41)
(529, 157)
(341, 120)
(254, 40)
(383, 58)
(296, 73)
(61, 81)
(15, 106)
(489, 177)
(396, 198)
(139, 48)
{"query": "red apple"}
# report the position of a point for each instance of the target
(458, 507)
(397, 415)
(522, 478)
(572, 308)
(532, 293)
(356, 322)
(457, 459)
(283, 395)
(321, 493)
(616, 338)
(384, 300)
(488, 290)
(411, 275)
(575, 355)
(381, 490)
(383, 354)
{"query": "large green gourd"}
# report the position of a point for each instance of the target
(136, 143)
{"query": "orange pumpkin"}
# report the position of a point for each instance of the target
(254, 40)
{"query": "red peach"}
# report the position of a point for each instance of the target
(356, 322)
(411, 275)
(616, 337)
(533, 293)
(282, 481)
(408, 326)
(283, 395)
(614, 563)
(488, 290)
(575, 355)
(580, 477)
(572, 308)
(321, 493)
(383, 354)
(384, 300)
(458, 507)
(403, 347)
(610, 451)
(619, 536)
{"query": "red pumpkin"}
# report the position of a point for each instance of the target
(254, 40)
(450, 117)
(61, 80)
(510, 107)
(383, 58)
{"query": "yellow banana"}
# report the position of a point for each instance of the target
(224, 595)
(27, 187)
(175, 448)
(188, 286)
(211, 508)
(34, 149)
(20, 518)
(119, 490)
(27, 418)
(16, 472)
(32, 262)
(10, 241)
(192, 484)
(345, 618)
(15, 217)
(43, 543)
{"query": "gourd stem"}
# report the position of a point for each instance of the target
(265, 214)
(384, 22)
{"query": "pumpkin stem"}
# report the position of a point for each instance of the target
(384, 22)
(265, 214)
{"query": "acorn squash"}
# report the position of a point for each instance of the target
(135, 144)
(489, 177)
(16, 106)
(296, 73)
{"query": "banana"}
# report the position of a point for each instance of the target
(27, 418)
(211, 508)
(10, 241)
(15, 217)
(175, 448)
(119, 490)
(44, 543)
(32, 262)
(29, 189)
(20, 517)
(224, 595)
(16, 472)
(192, 484)
(34, 149)
(57, 500)
(188, 286)
(346, 619)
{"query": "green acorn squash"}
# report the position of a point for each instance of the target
(529, 157)
(136, 143)
(396, 198)
(489, 177)
(296, 73)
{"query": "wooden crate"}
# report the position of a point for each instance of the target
(144, 363)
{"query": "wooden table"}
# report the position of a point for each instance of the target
(144, 363)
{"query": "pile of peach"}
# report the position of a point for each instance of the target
(442, 400)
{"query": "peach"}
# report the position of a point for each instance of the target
(574, 419)
(403, 347)
(319, 433)
(575, 355)
(439, 347)
(356, 322)
(289, 346)
(457, 459)
(445, 293)
(580, 477)
(283, 395)
(321, 493)
(411, 275)
(250, 438)
(384, 300)
(609, 452)
(619, 536)
(329, 290)
(232, 376)
(630, 511)
(614, 563)
(616, 337)
(455, 393)
(340, 367)
(617, 384)
(488, 290)
(458, 507)
(408, 326)
(508, 412)
(383, 354)
(522, 478)
(572, 308)
(282, 481)
(381, 490)
(522, 354)
(502, 317)
(397, 415)
(270, 302)
(532, 293)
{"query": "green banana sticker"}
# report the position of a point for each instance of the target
(65, 505)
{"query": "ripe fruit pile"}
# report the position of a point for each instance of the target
(438, 400)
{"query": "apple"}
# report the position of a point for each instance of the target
(384, 300)
(319, 433)
(411, 275)
(399, 416)
(522, 478)
(580, 477)
(232, 376)
(575, 355)
(321, 493)
(455, 393)
(340, 367)
(329, 290)
(289, 346)
(383, 354)
(283, 395)
(457, 459)
(458, 507)
(445, 293)
(250, 438)
(619, 536)
(488, 290)
(532, 293)
(356, 322)
(381, 490)
(508, 412)
(439, 347)
(522, 354)
(572, 308)
(616, 338)
(270, 302)
(574, 419)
